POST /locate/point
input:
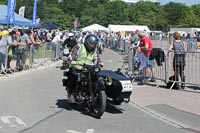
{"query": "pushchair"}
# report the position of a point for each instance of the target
(137, 72)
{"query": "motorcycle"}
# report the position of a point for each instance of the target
(94, 86)
(65, 58)
(90, 89)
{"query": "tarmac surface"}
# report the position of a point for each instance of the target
(35, 102)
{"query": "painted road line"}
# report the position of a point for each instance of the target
(7, 120)
(90, 131)
(72, 131)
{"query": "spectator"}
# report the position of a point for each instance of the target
(134, 38)
(145, 48)
(3, 49)
(81, 39)
(55, 45)
(35, 44)
(179, 47)
(70, 42)
(19, 51)
(100, 44)
(25, 49)
(11, 42)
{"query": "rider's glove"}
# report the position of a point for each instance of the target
(73, 62)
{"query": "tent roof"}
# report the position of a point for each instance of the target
(117, 28)
(94, 27)
(19, 20)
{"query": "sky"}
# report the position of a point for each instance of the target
(187, 2)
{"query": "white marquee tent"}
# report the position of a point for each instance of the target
(118, 28)
(95, 27)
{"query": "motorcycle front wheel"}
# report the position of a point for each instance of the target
(98, 105)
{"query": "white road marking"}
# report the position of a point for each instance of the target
(20, 122)
(72, 131)
(6, 120)
(90, 131)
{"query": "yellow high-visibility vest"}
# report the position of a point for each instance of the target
(85, 57)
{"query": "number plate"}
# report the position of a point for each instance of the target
(127, 86)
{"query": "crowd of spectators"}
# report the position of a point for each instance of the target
(23, 42)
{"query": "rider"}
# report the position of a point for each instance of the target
(85, 53)
(70, 42)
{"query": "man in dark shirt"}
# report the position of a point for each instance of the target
(70, 42)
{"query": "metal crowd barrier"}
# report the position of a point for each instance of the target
(36, 56)
(165, 70)
(191, 68)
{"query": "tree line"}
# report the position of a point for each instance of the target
(105, 12)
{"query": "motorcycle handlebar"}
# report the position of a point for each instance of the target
(86, 65)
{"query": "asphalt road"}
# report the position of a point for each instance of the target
(36, 102)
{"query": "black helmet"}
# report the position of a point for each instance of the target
(91, 42)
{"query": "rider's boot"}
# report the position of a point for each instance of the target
(71, 98)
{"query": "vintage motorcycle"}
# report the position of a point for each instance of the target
(94, 86)
(90, 89)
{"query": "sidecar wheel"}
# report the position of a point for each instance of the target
(99, 104)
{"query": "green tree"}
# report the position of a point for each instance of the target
(174, 13)
(196, 10)
(148, 13)
(189, 19)
(4, 2)
(116, 12)
(73, 7)
(105, 12)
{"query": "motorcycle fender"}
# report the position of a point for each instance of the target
(100, 85)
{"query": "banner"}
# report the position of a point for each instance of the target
(38, 21)
(11, 11)
(75, 24)
(22, 11)
(35, 12)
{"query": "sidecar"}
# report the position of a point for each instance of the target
(119, 88)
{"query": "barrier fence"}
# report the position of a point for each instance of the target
(165, 69)
(34, 56)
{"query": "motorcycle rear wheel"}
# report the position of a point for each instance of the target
(99, 104)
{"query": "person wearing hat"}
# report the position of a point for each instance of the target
(8, 39)
(70, 42)
(3, 45)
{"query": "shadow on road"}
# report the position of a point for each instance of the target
(110, 108)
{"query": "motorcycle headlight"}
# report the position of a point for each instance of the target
(97, 69)
(66, 51)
